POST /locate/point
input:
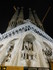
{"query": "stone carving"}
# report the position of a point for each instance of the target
(8, 56)
(48, 52)
(27, 48)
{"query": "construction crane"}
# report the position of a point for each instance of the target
(46, 14)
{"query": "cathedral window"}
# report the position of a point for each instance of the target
(27, 45)
(11, 48)
(8, 56)
(16, 31)
(29, 27)
(20, 29)
(6, 59)
(32, 28)
(13, 33)
(23, 29)
(26, 28)
(35, 30)
(9, 34)
(6, 36)
(27, 48)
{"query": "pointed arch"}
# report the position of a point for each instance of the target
(29, 37)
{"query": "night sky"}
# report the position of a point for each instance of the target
(41, 6)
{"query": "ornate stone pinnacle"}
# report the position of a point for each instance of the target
(34, 11)
(30, 9)
(22, 7)
(18, 8)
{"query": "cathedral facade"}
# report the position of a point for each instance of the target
(25, 42)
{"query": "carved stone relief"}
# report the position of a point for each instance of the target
(8, 56)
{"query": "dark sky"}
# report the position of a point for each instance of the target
(41, 6)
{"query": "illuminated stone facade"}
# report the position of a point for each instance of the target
(25, 44)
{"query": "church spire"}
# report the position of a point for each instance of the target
(39, 23)
(12, 23)
(20, 17)
(31, 16)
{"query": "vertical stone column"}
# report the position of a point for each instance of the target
(35, 62)
(41, 56)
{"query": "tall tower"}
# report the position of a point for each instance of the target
(31, 17)
(20, 17)
(25, 43)
(13, 22)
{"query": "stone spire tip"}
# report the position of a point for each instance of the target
(30, 9)
(22, 7)
(18, 8)
(34, 11)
